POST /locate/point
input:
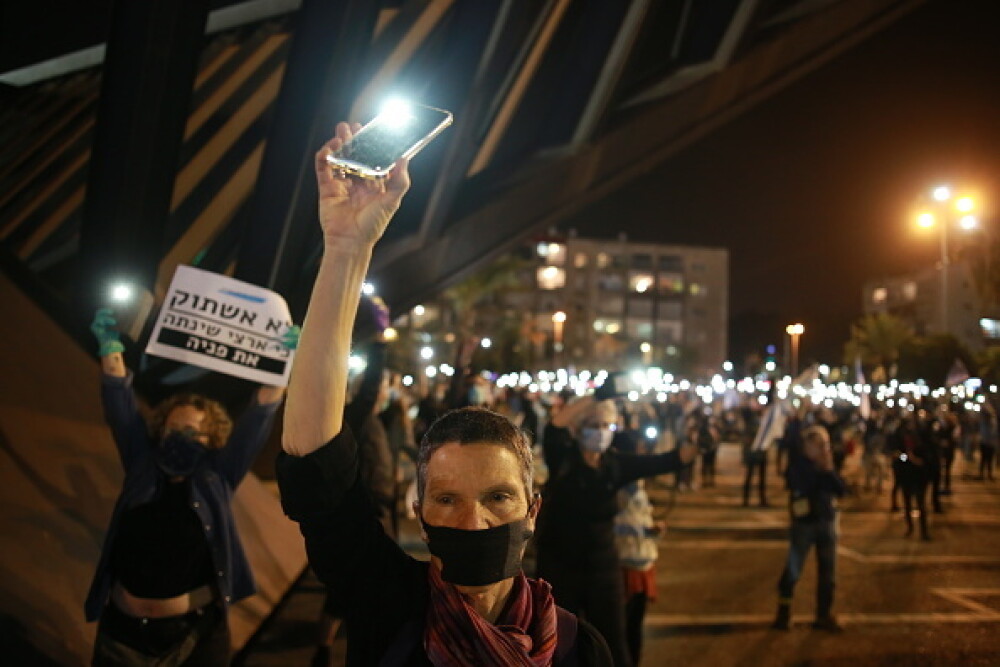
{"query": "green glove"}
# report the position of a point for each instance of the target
(290, 339)
(108, 338)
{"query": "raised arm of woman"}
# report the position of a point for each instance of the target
(353, 214)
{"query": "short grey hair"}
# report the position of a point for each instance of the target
(475, 426)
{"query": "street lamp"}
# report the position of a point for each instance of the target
(963, 206)
(647, 352)
(558, 319)
(794, 331)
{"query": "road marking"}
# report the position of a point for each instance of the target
(716, 545)
(960, 596)
(724, 525)
(701, 620)
(915, 559)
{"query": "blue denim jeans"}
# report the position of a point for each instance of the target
(803, 535)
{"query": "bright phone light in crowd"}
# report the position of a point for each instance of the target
(121, 292)
(396, 112)
(367, 289)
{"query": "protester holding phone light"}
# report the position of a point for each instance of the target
(172, 562)
(471, 604)
(576, 543)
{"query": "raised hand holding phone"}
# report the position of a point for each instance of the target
(615, 385)
(353, 210)
(398, 132)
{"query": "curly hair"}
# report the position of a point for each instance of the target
(218, 425)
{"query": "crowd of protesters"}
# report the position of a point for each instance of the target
(483, 467)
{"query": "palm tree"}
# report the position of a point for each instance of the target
(473, 302)
(985, 270)
(877, 339)
(988, 364)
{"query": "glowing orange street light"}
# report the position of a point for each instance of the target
(942, 195)
(794, 331)
(558, 319)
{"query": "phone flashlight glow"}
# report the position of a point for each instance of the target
(396, 113)
(121, 292)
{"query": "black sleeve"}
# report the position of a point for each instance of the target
(363, 402)
(592, 650)
(557, 443)
(632, 467)
(833, 483)
(345, 542)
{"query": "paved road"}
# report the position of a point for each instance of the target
(903, 601)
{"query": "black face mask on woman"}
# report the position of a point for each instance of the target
(478, 557)
(179, 454)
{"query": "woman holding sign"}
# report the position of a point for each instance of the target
(172, 562)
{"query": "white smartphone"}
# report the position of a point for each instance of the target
(399, 131)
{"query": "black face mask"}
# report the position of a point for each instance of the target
(478, 557)
(179, 454)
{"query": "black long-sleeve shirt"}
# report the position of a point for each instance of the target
(385, 591)
(377, 467)
(819, 486)
(576, 524)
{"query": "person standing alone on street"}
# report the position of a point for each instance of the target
(814, 487)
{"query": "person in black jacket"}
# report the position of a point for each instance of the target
(909, 444)
(172, 562)
(471, 604)
(813, 486)
(576, 545)
(376, 465)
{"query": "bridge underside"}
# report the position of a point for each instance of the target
(139, 136)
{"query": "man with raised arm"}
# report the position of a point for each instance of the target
(471, 605)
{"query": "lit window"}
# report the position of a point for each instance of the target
(599, 325)
(551, 277)
(991, 328)
(910, 291)
(641, 282)
(698, 289)
(556, 254)
(603, 260)
(580, 260)
(671, 283)
(879, 295)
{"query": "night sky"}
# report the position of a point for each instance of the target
(811, 191)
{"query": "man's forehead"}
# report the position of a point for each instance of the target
(479, 462)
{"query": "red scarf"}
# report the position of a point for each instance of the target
(525, 633)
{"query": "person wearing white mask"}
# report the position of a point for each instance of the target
(575, 536)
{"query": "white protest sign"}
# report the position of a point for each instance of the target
(225, 325)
